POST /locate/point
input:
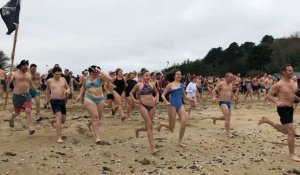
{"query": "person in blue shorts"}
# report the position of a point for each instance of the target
(225, 94)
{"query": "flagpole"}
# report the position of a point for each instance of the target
(12, 63)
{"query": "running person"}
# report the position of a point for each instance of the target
(146, 102)
(57, 92)
(248, 88)
(191, 92)
(176, 91)
(36, 78)
(21, 97)
(285, 90)
(92, 93)
(130, 83)
(224, 89)
(2, 82)
(119, 83)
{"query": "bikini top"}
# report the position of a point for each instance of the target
(96, 83)
(146, 90)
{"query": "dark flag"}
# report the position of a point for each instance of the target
(10, 14)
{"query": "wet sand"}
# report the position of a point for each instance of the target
(254, 150)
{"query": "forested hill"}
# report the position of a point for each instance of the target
(248, 58)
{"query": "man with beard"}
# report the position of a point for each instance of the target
(21, 97)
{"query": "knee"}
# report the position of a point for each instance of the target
(291, 132)
(149, 126)
(95, 118)
(27, 111)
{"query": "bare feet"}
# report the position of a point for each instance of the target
(59, 140)
(123, 118)
(158, 128)
(182, 145)
(154, 151)
(136, 133)
(263, 120)
(230, 135)
(99, 142)
(214, 120)
(293, 157)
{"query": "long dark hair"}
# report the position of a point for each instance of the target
(170, 75)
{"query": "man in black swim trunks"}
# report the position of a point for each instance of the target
(285, 90)
(56, 94)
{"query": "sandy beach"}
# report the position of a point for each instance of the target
(256, 149)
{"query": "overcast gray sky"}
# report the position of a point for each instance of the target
(141, 33)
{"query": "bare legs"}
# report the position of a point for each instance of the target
(172, 120)
(130, 106)
(95, 110)
(287, 129)
(226, 117)
(28, 118)
(148, 118)
(56, 123)
(118, 104)
(192, 105)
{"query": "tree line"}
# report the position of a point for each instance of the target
(248, 58)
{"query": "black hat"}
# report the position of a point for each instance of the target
(23, 62)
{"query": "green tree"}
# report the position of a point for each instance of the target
(3, 60)
(267, 39)
(259, 57)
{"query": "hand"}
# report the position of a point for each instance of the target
(168, 104)
(194, 102)
(279, 104)
(9, 75)
(136, 101)
(67, 91)
(214, 99)
(156, 100)
(79, 98)
(234, 98)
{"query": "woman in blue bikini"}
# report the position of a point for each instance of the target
(145, 90)
(176, 91)
(91, 93)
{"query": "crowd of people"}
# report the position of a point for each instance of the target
(144, 90)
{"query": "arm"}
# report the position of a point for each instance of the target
(133, 91)
(215, 90)
(271, 95)
(82, 91)
(10, 78)
(33, 85)
(48, 92)
(105, 77)
(156, 94)
(163, 95)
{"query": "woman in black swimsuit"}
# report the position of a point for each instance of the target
(130, 83)
(146, 102)
(119, 83)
